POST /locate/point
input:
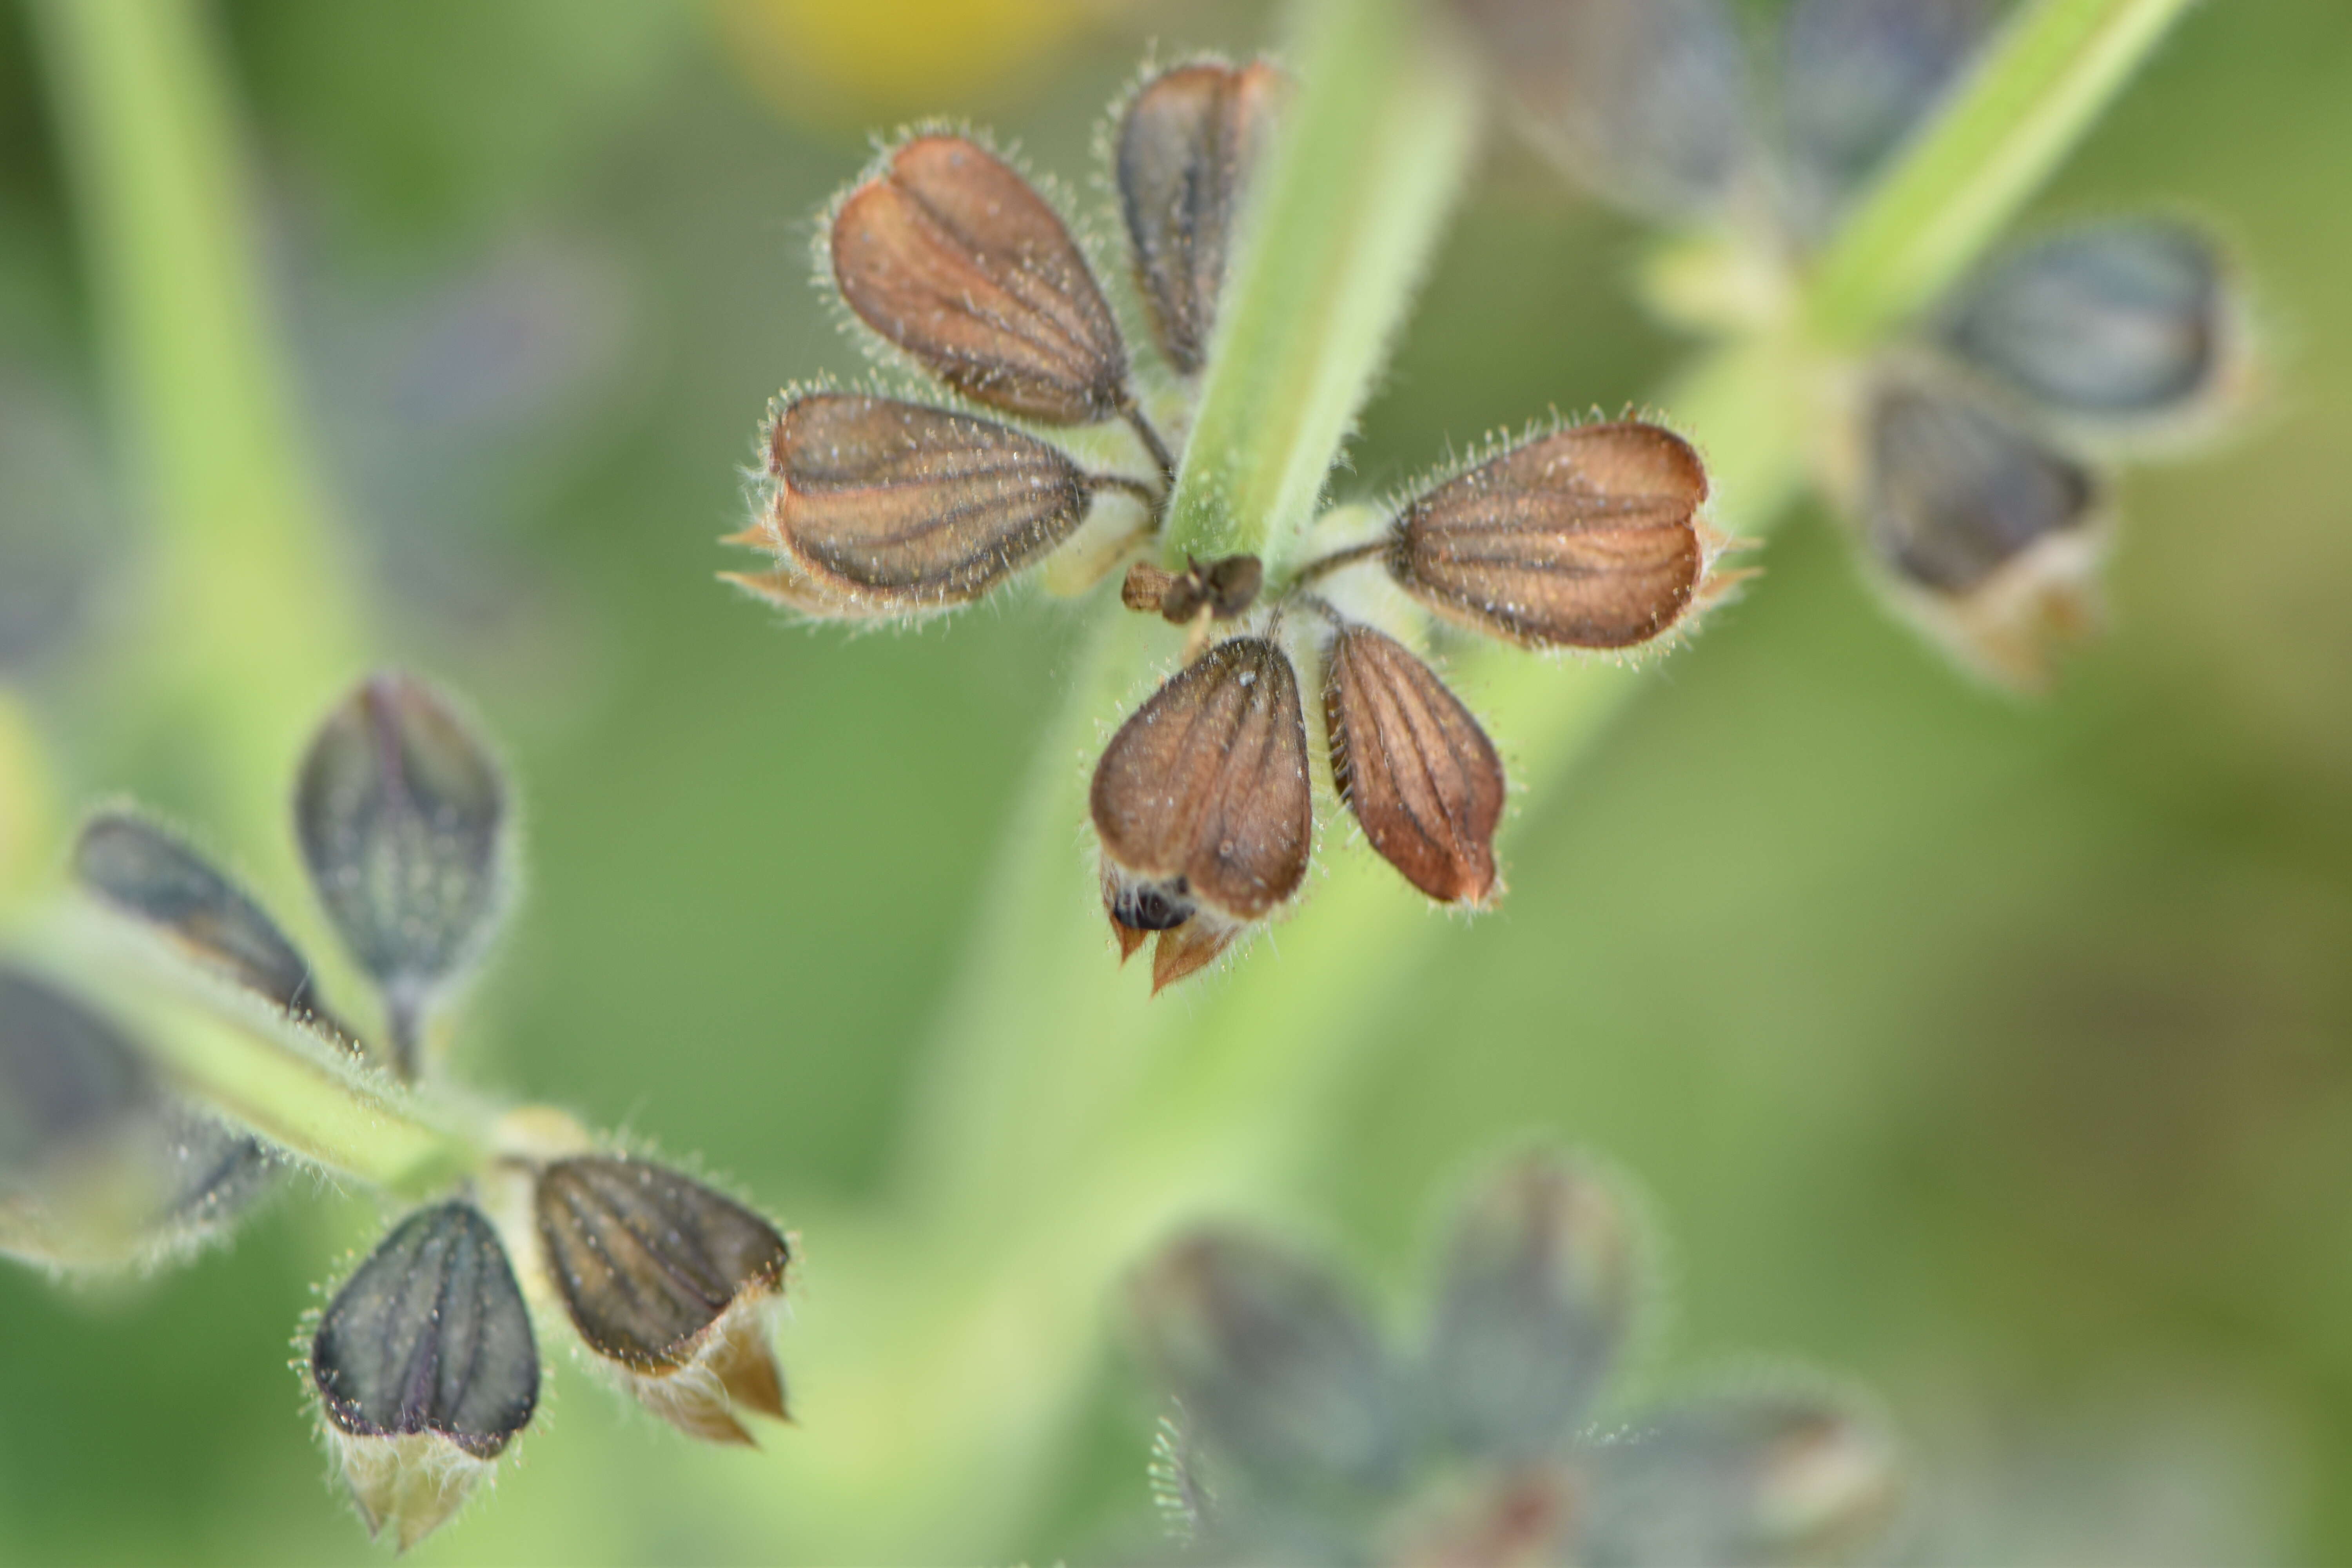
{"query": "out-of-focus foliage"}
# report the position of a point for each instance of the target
(1998, 1055)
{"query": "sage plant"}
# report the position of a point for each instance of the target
(1583, 536)
(424, 1364)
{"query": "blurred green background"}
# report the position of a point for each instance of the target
(1995, 1055)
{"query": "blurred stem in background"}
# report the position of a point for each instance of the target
(1067, 1119)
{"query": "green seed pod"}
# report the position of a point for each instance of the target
(2112, 324)
(1534, 1296)
(955, 258)
(1588, 538)
(891, 506)
(138, 870)
(1761, 1480)
(1412, 765)
(99, 1163)
(1187, 144)
(426, 1368)
(671, 1284)
(1275, 1367)
(402, 816)
(1202, 805)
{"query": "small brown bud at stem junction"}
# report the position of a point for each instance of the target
(1226, 588)
(1412, 765)
(898, 506)
(1186, 146)
(1202, 805)
(955, 258)
(1584, 538)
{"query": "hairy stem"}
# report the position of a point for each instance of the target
(1338, 230)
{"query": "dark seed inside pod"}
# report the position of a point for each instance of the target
(647, 1259)
(431, 1335)
(1148, 906)
(1412, 765)
(2114, 319)
(1957, 490)
(913, 505)
(1207, 782)
(1584, 538)
(955, 258)
(1186, 146)
(150, 875)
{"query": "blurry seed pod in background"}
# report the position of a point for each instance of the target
(1741, 1479)
(1857, 76)
(1412, 765)
(425, 1368)
(1646, 101)
(1271, 1362)
(670, 1283)
(100, 1163)
(949, 255)
(1587, 537)
(1186, 144)
(146, 874)
(1535, 1294)
(1991, 536)
(894, 506)
(402, 816)
(2118, 327)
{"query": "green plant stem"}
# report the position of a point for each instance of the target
(1371, 155)
(1072, 1120)
(247, 624)
(2028, 101)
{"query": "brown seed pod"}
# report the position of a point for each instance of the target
(1202, 805)
(1412, 765)
(1186, 146)
(887, 506)
(955, 258)
(670, 1282)
(1584, 538)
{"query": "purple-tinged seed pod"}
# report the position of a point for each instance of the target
(954, 258)
(1644, 100)
(2119, 323)
(140, 871)
(673, 1285)
(1774, 1478)
(402, 816)
(1588, 537)
(100, 1163)
(1274, 1366)
(1536, 1292)
(1187, 145)
(1856, 76)
(425, 1369)
(1202, 805)
(889, 506)
(1412, 765)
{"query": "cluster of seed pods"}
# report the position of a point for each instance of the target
(426, 1362)
(1969, 452)
(1583, 537)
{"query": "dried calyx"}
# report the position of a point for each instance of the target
(1587, 537)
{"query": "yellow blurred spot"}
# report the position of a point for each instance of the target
(27, 803)
(854, 60)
